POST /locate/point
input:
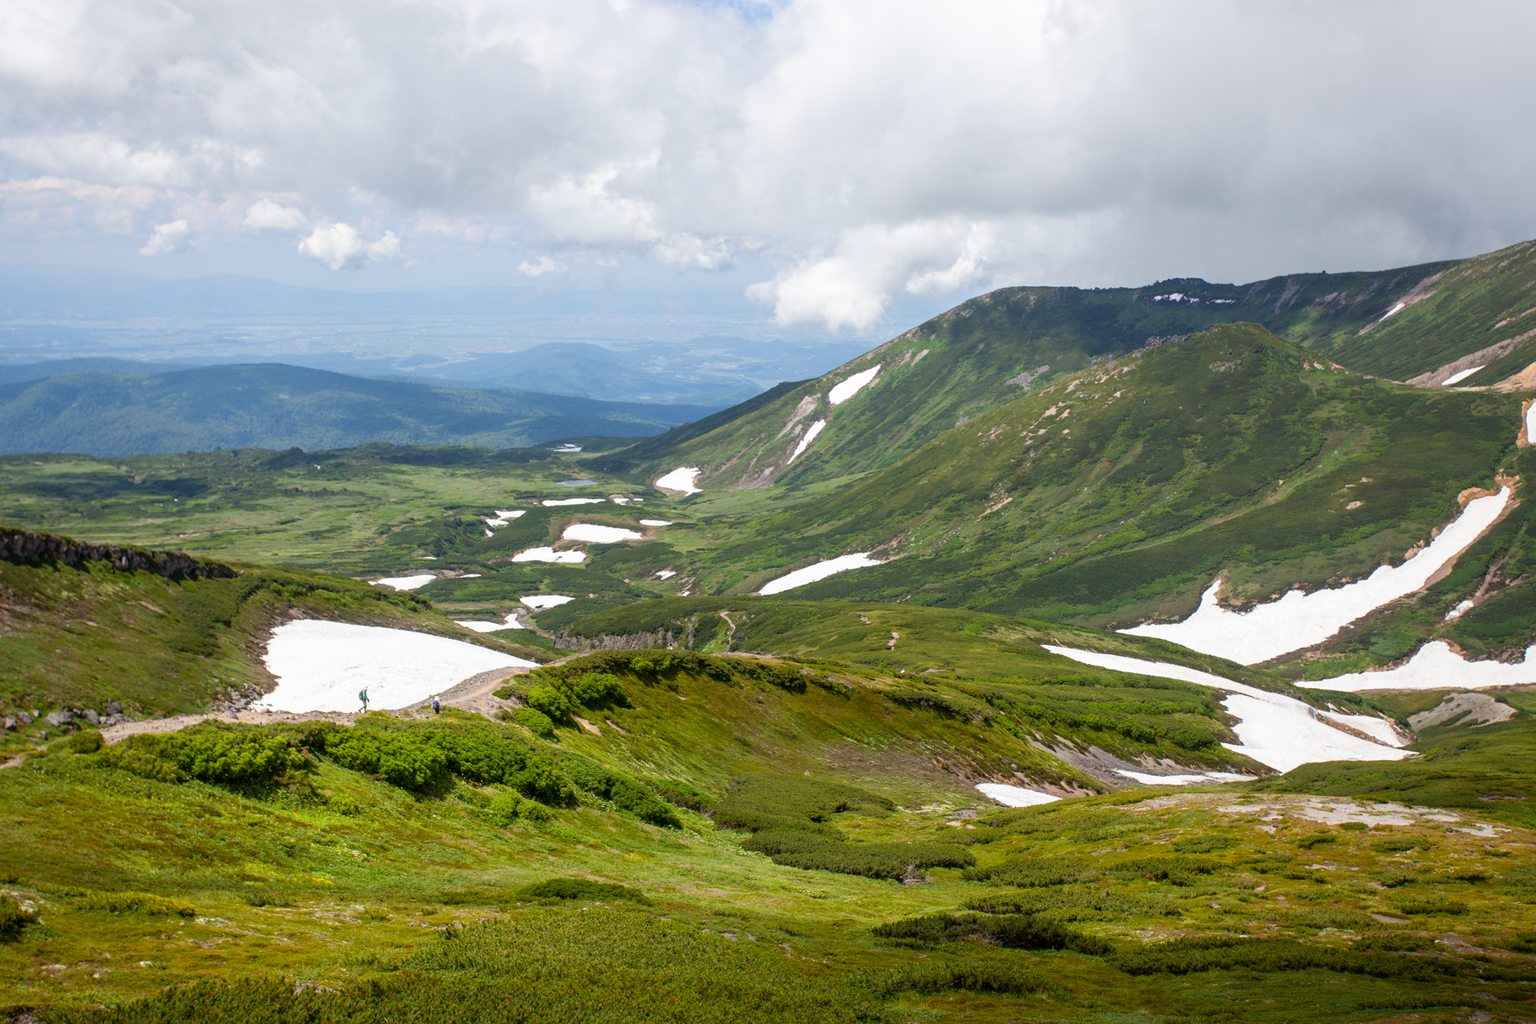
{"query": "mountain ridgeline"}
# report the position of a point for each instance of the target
(1424, 323)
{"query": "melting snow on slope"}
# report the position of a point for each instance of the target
(1298, 620)
(681, 479)
(1273, 729)
(543, 602)
(320, 666)
(1015, 796)
(1182, 780)
(483, 626)
(805, 442)
(592, 533)
(511, 513)
(1395, 309)
(573, 501)
(1530, 424)
(840, 393)
(405, 582)
(666, 574)
(1457, 378)
(1437, 667)
(655, 522)
(548, 554)
(819, 571)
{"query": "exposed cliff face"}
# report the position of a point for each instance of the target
(30, 548)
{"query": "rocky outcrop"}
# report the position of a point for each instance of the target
(30, 548)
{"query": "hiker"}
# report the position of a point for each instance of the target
(362, 695)
(437, 708)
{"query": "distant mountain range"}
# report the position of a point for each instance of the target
(107, 412)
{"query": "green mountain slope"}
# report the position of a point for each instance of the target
(276, 406)
(1424, 322)
(1116, 495)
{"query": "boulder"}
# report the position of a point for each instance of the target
(22, 718)
(114, 708)
(91, 716)
(58, 719)
(10, 723)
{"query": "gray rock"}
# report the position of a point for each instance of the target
(57, 719)
(114, 708)
(91, 716)
(23, 718)
(10, 723)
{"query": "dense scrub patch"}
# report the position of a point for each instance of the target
(14, 917)
(240, 757)
(1014, 931)
(582, 889)
(1212, 953)
(873, 860)
(130, 903)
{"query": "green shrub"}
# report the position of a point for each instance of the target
(130, 902)
(1204, 844)
(509, 807)
(680, 794)
(1317, 839)
(598, 690)
(1076, 904)
(1181, 871)
(1353, 826)
(1009, 930)
(536, 722)
(973, 974)
(1393, 942)
(1230, 953)
(1401, 844)
(582, 889)
(13, 917)
(1393, 879)
(550, 702)
(626, 793)
(237, 756)
(1031, 872)
(87, 741)
(799, 849)
(406, 760)
(1431, 908)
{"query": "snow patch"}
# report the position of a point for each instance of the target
(805, 442)
(1436, 667)
(591, 533)
(655, 522)
(483, 626)
(320, 665)
(666, 574)
(1183, 780)
(405, 582)
(548, 554)
(511, 513)
(1395, 309)
(1530, 424)
(543, 602)
(1015, 796)
(681, 479)
(819, 571)
(1457, 378)
(1298, 620)
(573, 501)
(1460, 610)
(1275, 730)
(840, 393)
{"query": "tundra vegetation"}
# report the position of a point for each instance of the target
(708, 805)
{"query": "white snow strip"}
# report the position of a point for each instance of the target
(819, 571)
(1273, 729)
(405, 582)
(1437, 667)
(619, 501)
(573, 501)
(1298, 620)
(655, 522)
(511, 513)
(1015, 796)
(1530, 424)
(490, 533)
(496, 521)
(548, 554)
(483, 626)
(666, 574)
(1457, 378)
(840, 393)
(681, 479)
(469, 576)
(1457, 612)
(805, 442)
(1395, 309)
(592, 533)
(541, 602)
(321, 666)
(1183, 780)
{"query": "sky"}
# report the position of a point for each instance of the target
(820, 165)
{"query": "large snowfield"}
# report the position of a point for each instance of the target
(549, 554)
(1297, 621)
(592, 533)
(840, 393)
(681, 479)
(1274, 730)
(406, 582)
(819, 571)
(321, 666)
(1015, 796)
(1436, 667)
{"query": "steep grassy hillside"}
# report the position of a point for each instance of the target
(276, 406)
(1118, 494)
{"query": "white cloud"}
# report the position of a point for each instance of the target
(266, 213)
(543, 266)
(1085, 142)
(339, 246)
(167, 238)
